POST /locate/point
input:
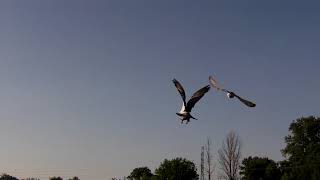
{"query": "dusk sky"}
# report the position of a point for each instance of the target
(86, 86)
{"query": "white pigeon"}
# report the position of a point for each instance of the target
(230, 94)
(184, 113)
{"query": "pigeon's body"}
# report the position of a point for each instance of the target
(230, 94)
(184, 113)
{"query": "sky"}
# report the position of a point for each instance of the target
(86, 86)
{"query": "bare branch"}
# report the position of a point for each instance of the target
(229, 156)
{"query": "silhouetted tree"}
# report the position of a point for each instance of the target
(256, 168)
(55, 178)
(177, 169)
(229, 156)
(7, 177)
(302, 150)
(140, 173)
(155, 177)
(74, 178)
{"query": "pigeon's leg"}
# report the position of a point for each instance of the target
(181, 121)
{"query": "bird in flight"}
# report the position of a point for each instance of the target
(230, 94)
(184, 113)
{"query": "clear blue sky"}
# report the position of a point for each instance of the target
(86, 85)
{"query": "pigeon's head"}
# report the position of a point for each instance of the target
(230, 95)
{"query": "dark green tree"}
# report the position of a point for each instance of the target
(140, 173)
(177, 169)
(256, 168)
(7, 177)
(55, 178)
(155, 177)
(74, 178)
(302, 150)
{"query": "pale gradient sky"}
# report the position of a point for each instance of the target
(86, 85)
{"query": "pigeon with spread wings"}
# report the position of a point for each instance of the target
(230, 94)
(184, 113)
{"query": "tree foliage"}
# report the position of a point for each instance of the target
(7, 177)
(74, 178)
(177, 169)
(140, 173)
(256, 168)
(303, 149)
(55, 178)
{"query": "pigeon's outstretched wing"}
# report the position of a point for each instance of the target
(214, 83)
(196, 97)
(244, 101)
(181, 91)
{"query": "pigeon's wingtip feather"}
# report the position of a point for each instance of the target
(174, 81)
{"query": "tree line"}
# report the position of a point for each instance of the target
(301, 153)
(9, 177)
(301, 160)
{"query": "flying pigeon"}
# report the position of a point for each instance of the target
(230, 94)
(184, 113)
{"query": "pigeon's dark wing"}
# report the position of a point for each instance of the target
(214, 84)
(181, 90)
(246, 102)
(196, 97)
